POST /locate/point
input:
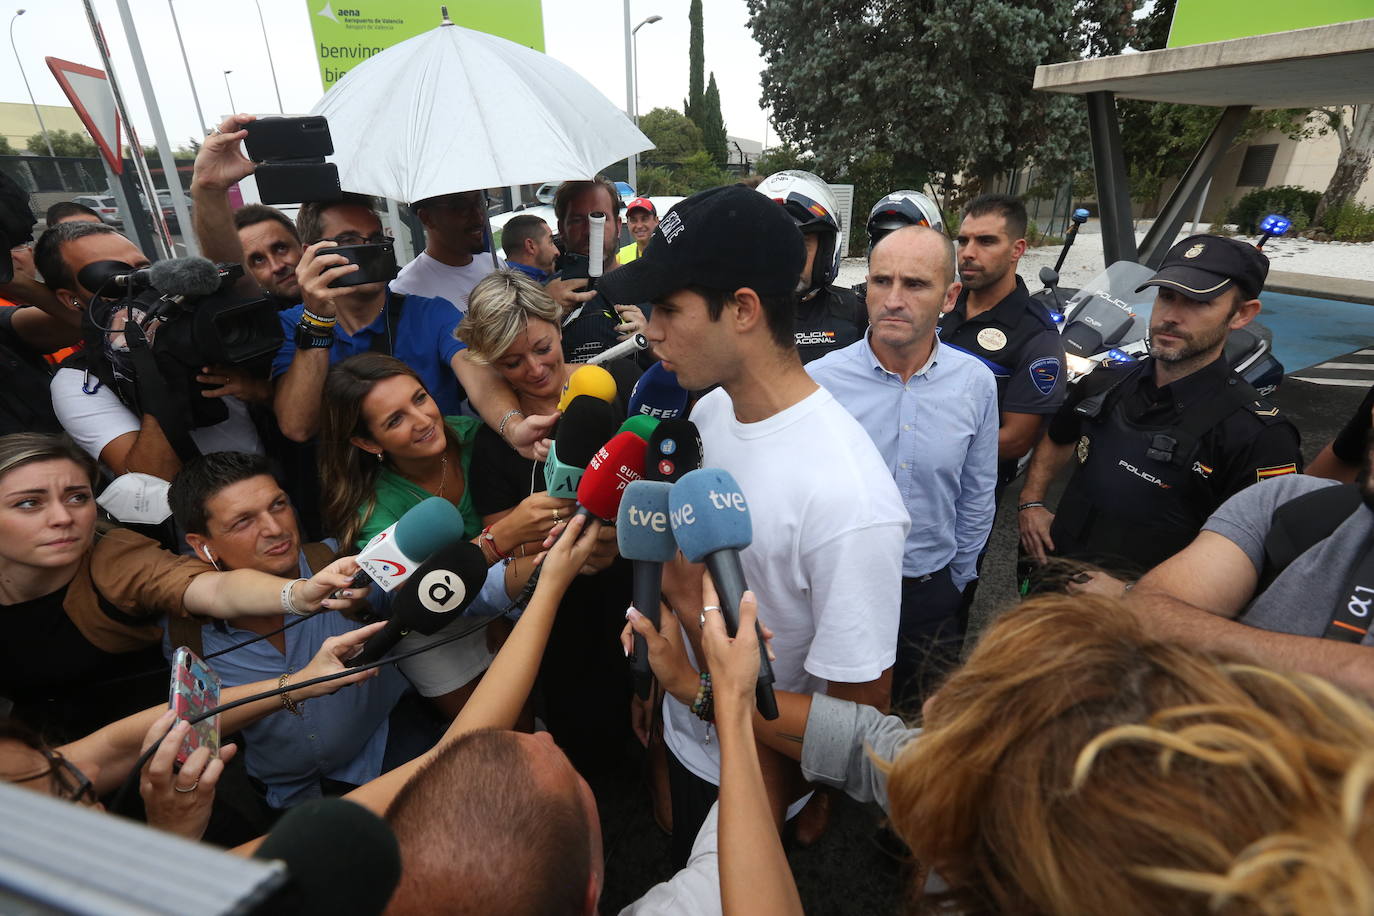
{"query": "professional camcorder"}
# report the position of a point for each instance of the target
(150, 331)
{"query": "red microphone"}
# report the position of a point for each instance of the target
(614, 467)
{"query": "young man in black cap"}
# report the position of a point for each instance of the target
(828, 522)
(1162, 442)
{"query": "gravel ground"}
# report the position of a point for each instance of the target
(1331, 259)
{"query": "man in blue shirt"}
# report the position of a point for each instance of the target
(333, 323)
(527, 243)
(932, 412)
(236, 517)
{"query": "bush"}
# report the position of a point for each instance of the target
(1351, 222)
(1286, 199)
(656, 181)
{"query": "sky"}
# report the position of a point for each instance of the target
(225, 35)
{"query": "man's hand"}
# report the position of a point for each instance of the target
(233, 382)
(632, 320)
(569, 293)
(1035, 532)
(316, 270)
(603, 554)
(530, 435)
(221, 162)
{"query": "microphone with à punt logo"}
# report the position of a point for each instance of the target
(645, 539)
(710, 522)
(434, 596)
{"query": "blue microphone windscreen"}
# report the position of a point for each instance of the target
(708, 513)
(641, 528)
(658, 394)
(429, 525)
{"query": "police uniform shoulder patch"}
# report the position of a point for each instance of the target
(1262, 409)
(992, 339)
(1277, 470)
(1044, 372)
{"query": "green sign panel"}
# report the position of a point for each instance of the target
(1199, 21)
(348, 32)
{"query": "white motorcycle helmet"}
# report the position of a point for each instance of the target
(812, 205)
(902, 208)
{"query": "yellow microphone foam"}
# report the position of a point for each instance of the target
(589, 380)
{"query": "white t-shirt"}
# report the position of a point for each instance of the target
(427, 276)
(826, 561)
(95, 420)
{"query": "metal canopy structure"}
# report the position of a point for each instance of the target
(1306, 68)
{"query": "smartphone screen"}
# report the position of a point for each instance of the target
(195, 689)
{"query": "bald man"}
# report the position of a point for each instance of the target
(932, 412)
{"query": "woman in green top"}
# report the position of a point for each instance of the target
(385, 447)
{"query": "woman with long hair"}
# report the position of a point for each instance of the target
(1074, 765)
(384, 447)
(513, 326)
(81, 604)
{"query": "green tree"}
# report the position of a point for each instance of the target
(784, 157)
(696, 64)
(64, 143)
(713, 125)
(699, 172)
(5, 148)
(938, 86)
(656, 181)
(675, 136)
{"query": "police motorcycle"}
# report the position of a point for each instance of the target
(1107, 321)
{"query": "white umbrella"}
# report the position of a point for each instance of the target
(456, 110)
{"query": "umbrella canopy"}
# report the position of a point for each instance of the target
(455, 110)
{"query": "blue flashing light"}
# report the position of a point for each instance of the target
(1080, 215)
(1275, 224)
(1119, 356)
(1056, 317)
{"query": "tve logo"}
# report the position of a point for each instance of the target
(654, 521)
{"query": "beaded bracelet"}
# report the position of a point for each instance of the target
(505, 418)
(703, 707)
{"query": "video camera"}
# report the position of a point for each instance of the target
(187, 316)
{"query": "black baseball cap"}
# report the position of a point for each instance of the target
(1203, 267)
(723, 239)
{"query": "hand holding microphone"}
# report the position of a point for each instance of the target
(646, 539)
(711, 523)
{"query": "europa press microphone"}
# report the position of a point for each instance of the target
(710, 521)
(394, 553)
(432, 597)
(646, 539)
(657, 394)
(586, 425)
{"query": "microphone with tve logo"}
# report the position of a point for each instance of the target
(646, 539)
(393, 553)
(710, 521)
(433, 596)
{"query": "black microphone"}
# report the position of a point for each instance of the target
(435, 594)
(340, 858)
(674, 450)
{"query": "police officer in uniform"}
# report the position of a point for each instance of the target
(828, 317)
(897, 211)
(1160, 443)
(996, 320)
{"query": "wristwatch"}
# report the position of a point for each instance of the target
(309, 337)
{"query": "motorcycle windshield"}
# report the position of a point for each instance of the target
(1110, 305)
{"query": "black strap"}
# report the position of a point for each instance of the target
(395, 304)
(1350, 620)
(155, 398)
(1301, 523)
(1098, 406)
(1179, 444)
